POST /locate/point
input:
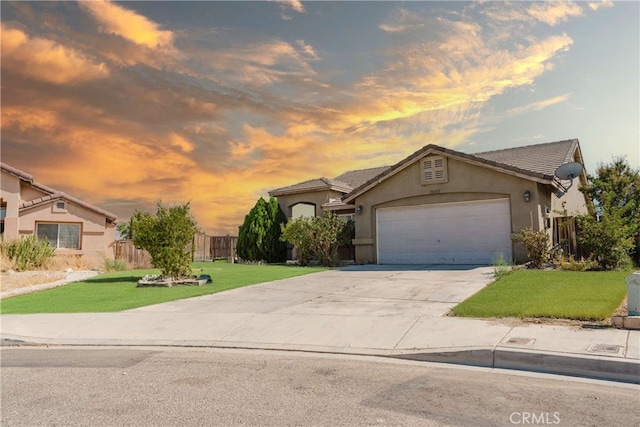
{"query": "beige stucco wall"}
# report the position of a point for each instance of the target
(466, 182)
(97, 238)
(10, 193)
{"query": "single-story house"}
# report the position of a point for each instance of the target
(442, 206)
(72, 226)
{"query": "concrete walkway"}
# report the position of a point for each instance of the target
(372, 310)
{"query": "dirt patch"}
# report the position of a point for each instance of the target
(25, 279)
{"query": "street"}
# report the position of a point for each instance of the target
(107, 386)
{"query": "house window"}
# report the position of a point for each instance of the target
(434, 170)
(61, 236)
(304, 210)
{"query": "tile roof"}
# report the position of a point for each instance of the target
(317, 184)
(537, 162)
(540, 158)
(52, 194)
(358, 177)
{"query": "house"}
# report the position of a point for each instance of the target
(72, 226)
(441, 206)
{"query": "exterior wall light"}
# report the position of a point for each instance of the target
(359, 210)
(527, 196)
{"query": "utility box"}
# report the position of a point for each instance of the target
(633, 294)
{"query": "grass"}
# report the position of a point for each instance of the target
(575, 295)
(117, 291)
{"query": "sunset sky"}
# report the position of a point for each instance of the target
(123, 104)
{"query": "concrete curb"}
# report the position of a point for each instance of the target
(594, 367)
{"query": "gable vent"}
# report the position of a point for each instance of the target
(434, 170)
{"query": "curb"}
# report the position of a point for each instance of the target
(595, 367)
(575, 365)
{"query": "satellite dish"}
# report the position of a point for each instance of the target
(568, 171)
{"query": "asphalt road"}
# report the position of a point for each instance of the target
(201, 387)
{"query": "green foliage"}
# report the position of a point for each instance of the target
(259, 235)
(165, 236)
(27, 252)
(611, 239)
(124, 228)
(501, 267)
(318, 237)
(299, 233)
(536, 243)
(571, 264)
(615, 192)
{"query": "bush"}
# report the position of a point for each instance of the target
(501, 267)
(165, 236)
(571, 264)
(610, 240)
(110, 265)
(536, 243)
(27, 252)
(318, 237)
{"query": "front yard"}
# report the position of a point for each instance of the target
(118, 291)
(592, 296)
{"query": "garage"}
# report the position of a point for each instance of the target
(454, 233)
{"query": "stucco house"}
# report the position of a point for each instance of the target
(72, 226)
(442, 206)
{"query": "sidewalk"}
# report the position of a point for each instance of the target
(350, 314)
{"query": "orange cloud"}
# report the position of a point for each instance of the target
(47, 60)
(127, 24)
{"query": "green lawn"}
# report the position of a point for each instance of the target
(118, 291)
(549, 294)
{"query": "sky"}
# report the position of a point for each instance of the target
(124, 104)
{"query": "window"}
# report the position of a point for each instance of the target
(62, 236)
(434, 170)
(304, 210)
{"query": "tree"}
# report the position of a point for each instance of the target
(165, 236)
(613, 224)
(124, 228)
(259, 235)
(299, 233)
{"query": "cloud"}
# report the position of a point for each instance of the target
(539, 105)
(552, 13)
(402, 20)
(295, 5)
(136, 28)
(598, 4)
(46, 60)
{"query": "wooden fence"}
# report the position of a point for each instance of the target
(203, 248)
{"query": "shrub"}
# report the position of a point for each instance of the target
(501, 267)
(27, 252)
(571, 264)
(110, 265)
(611, 239)
(318, 237)
(536, 243)
(165, 236)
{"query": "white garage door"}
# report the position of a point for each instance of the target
(461, 233)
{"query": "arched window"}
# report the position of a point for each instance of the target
(305, 210)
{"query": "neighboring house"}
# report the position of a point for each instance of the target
(441, 206)
(71, 225)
